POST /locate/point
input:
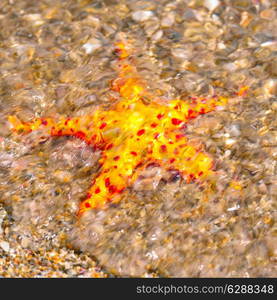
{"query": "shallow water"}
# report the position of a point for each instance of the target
(57, 58)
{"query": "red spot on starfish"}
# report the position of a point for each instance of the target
(140, 132)
(175, 121)
(97, 190)
(103, 125)
(159, 116)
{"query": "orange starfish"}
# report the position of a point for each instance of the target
(133, 134)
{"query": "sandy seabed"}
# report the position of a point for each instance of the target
(57, 58)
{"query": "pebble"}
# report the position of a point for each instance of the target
(36, 19)
(246, 18)
(25, 242)
(168, 20)
(231, 67)
(95, 22)
(142, 15)
(5, 246)
(227, 153)
(157, 35)
(270, 44)
(211, 4)
(230, 142)
(268, 14)
(221, 46)
(236, 207)
(189, 15)
(274, 106)
(270, 87)
(181, 53)
(63, 176)
(6, 159)
(242, 63)
(91, 46)
(235, 130)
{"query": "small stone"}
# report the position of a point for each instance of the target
(274, 106)
(25, 242)
(93, 21)
(230, 66)
(207, 125)
(273, 188)
(230, 142)
(270, 87)
(6, 159)
(91, 46)
(36, 19)
(142, 15)
(262, 187)
(242, 63)
(5, 246)
(63, 176)
(221, 46)
(235, 130)
(151, 26)
(168, 20)
(268, 14)
(157, 35)
(246, 18)
(211, 4)
(181, 53)
(236, 207)
(227, 153)
(189, 15)
(270, 44)
(68, 76)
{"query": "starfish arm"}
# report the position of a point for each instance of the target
(82, 128)
(117, 173)
(192, 164)
(183, 111)
(175, 152)
(19, 126)
(130, 86)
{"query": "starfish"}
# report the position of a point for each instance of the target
(133, 134)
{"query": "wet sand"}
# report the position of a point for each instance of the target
(57, 59)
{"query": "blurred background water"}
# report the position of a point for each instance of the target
(56, 58)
